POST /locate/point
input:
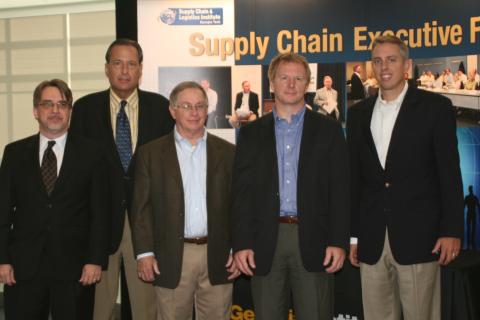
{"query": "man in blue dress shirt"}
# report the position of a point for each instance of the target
(290, 206)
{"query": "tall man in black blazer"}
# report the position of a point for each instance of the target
(53, 218)
(290, 200)
(122, 118)
(407, 202)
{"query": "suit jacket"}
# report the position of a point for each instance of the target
(418, 196)
(91, 118)
(68, 226)
(158, 220)
(252, 102)
(322, 191)
(357, 91)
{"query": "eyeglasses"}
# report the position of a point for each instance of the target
(190, 107)
(48, 104)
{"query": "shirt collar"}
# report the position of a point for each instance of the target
(130, 100)
(296, 118)
(398, 100)
(59, 142)
(181, 140)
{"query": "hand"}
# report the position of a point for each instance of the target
(232, 268)
(147, 268)
(353, 255)
(6, 274)
(91, 274)
(449, 249)
(334, 257)
(245, 262)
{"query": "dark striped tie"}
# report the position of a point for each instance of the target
(123, 137)
(49, 167)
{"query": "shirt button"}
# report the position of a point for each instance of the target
(288, 181)
(288, 147)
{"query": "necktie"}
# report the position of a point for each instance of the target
(123, 138)
(49, 167)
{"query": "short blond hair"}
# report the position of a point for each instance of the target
(288, 57)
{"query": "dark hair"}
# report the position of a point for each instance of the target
(288, 57)
(183, 86)
(124, 42)
(393, 40)
(56, 83)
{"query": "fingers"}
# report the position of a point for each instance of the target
(90, 274)
(156, 268)
(6, 275)
(337, 257)
(449, 249)
(244, 260)
(232, 268)
(353, 256)
(147, 268)
(229, 261)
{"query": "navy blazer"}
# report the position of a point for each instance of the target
(322, 191)
(418, 196)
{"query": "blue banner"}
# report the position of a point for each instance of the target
(343, 30)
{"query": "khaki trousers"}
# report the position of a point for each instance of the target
(141, 294)
(390, 289)
(211, 302)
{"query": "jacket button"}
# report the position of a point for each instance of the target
(49, 206)
(387, 185)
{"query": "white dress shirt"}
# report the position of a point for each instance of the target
(58, 148)
(383, 119)
(381, 125)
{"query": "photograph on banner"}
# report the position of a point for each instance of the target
(247, 97)
(455, 77)
(217, 84)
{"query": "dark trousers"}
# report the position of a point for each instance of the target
(312, 291)
(37, 298)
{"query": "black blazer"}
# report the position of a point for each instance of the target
(91, 118)
(158, 222)
(69, 226)
(357, 91)
(418, 196)
(252, 102)
(322, 191)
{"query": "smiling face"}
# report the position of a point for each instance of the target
(390, 68)
(190, 123)
(52, 113)
(123, 70)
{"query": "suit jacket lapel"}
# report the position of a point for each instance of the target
(269, 143)
(308, 134)
(366, 121)
(168, 156)
(32, 155)
(401, 122)
(66, 169)
(143, 117)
